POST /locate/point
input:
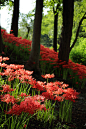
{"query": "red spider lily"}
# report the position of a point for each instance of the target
(50, 86)
(28, 72)
(59, 91)
(8, 99)
(13, 66)
(70, 94)
(64, 85)
(3, 64)
(48, 95)
(59, 98)
(28, 105)
(39, 97)
(25, 126)
(48, 76)
(5, 58)
(6, 88)
(23, 95)
(39, 87)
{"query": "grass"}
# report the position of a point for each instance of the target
(27, 103)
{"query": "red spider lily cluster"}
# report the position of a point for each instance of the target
(12, 39)
(8, 98)
(50, 56)
(29, 105)
(6, 88)
(53, 90)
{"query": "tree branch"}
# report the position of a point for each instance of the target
(57, 7)
(77, 33)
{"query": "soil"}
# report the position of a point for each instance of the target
(79, 110)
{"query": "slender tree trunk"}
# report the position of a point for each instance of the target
(14, 25)
(33, 63)
(55, 32)
(64, 50)
(28, 30)
(55, 27)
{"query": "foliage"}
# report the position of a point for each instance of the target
(10, 5)
(79, 10)
(78, 53)
(6, 2)
(26, 25)
(52, 3)
(46, 41)
(48, 24)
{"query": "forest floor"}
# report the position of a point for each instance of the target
(78, 110)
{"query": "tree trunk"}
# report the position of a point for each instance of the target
(55, 32)
(14, 24)
(33, 63)
(64, 50)
(55, 27)
(28, 30)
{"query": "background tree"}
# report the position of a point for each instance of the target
(56, 5)
(56, 9)
(64, 50)
(26, 25)
(47, 27)
(14, 24)
(33, 63)
(46, 41)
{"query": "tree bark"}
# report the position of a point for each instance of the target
(55, 32)
(55, 27)
(64, 50)
(33, 63)
(14, 24)
(28, 30)
(77, 33)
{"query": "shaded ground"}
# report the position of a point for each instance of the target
(79, 111)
